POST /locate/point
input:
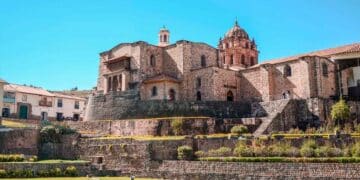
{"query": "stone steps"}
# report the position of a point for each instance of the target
(271, 109)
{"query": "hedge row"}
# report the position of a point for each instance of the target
(70, 171)
(283, 159)
(12, 157)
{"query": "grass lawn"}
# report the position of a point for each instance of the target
(13, 124)
(85, 178)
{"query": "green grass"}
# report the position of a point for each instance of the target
(14, 124)
(83, 178)
(52, 161)
(142, 138)
(284, 159)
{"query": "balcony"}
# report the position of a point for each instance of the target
(45, 103)
(9, 100)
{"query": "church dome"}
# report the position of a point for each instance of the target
(237, 31)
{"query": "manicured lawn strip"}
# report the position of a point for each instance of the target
(14, 124)
(53, 161)
(283, 159)
(160, 118)
(80, 178)
(141, 138)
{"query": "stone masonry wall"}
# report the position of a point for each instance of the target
(83, 169)
(124, 105)
(19, 141)
(232, 170)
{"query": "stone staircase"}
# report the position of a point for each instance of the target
(267, 111)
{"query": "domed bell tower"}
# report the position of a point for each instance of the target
(236, 48)
(164, 37)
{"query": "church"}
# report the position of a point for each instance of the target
(196, 71)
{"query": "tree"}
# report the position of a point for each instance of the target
(340, 112)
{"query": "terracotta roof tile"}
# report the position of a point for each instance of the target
(27, 90)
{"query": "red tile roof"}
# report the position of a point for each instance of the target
(324, 53)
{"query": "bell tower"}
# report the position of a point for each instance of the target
(237, 49)
(164, 37)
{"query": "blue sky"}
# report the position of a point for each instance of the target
(55, 44)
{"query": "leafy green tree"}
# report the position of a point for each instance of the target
(340, 112)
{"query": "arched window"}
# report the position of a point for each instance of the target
(231, 59)
(325, 71)
(242, 59)
(172, 94)
(230, 96)
(224, 60)
(287, 71)
(198, 82)
(247, 45)
(152, 61)
(203, 61)
(165, 38)
(252, 61)
(198, 96)
(154, 91)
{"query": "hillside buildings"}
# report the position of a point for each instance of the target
(196, 71)
(25, 102)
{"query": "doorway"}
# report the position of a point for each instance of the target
(230, 96)
(23, 112)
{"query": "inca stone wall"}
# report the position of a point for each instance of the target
(19, 141)
(121, 105)
(233, 170)
(83, 168)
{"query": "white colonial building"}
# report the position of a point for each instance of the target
(26, 102)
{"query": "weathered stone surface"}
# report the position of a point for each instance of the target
(19, 141)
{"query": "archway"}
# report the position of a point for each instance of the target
(230, 96)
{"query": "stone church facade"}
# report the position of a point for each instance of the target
(192, 71)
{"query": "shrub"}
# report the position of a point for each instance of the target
(52, 133)
(308, 148)
(177, 126)
(33, 159)
(295, 131)
(307, 152)
(340, 111)
(2, 173)
(355, 150)
(347, 152)
(200, 154)
(239, 129)
(310, 130)
(222, 151)
(243, 151)
(11, 157)
(293, 152)
(55, 172)
(71, 171)
(185, 153)
(348, 128)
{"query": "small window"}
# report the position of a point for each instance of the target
(287, 71)
(198, 96)
(242, 59)
(152, 61)
(76, 117)
(231, 59)
(77, 105)
(59, 103)
(59, 116)
(165, 38)
(154, 91)
(325, 71)
(247, 45)
(203, 61)
(198, 82)
(224, 60)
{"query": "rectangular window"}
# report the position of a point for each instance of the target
(59, 103)
(77, 105)
(59, 116)
(76, 117)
